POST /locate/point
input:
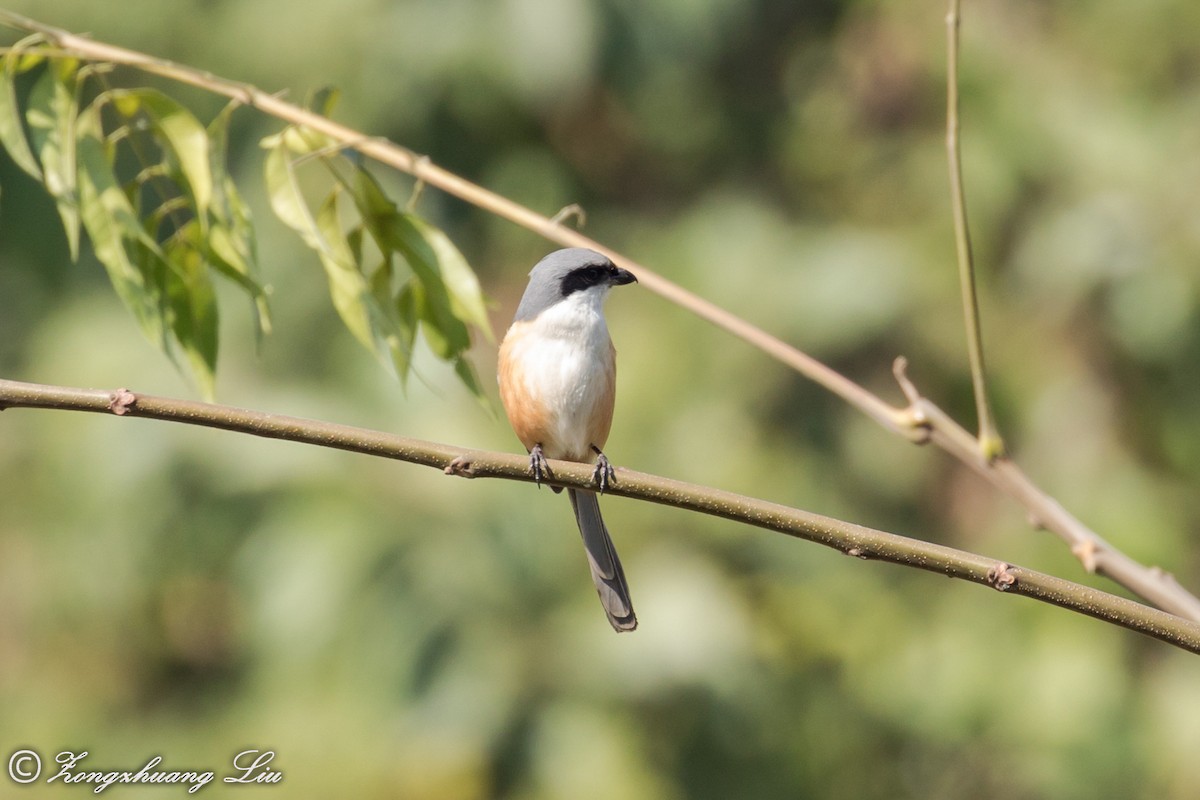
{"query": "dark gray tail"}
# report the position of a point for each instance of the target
(607, 573)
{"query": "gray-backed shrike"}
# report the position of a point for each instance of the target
(557, 374)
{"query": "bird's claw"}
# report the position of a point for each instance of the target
(604, 472)
(538, 465)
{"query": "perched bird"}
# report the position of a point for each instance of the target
(557, 374)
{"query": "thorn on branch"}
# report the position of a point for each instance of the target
(1000, 578)
(121, 402)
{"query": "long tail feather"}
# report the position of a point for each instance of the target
(607, 573)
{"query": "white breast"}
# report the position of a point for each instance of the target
(566, 365)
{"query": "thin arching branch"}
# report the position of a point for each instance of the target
(920, 421)
(854, 540)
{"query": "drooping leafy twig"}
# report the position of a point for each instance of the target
(163, 227)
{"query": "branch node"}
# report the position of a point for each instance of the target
(1085, 550)
(462, 466)
(1000, 578)
(991, 448)
(121, 402)
(1167, 578)
(857, 552)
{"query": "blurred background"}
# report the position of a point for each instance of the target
(391, 632)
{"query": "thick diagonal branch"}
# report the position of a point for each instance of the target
(851, 539)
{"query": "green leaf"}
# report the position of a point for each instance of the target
(443, 328)
(168, 287)
(381, 316)
(399, 321)
(360, 301)
(357, 301)
(12, 131)
(466, 297)
(324, 100)
(373, 205)
(446, 336)
(226, 256)
(303, 141)
(192, 304)
(347, 284)
(408, 322)
(111, 222)
(443, 295)
(284, 194)
(180, 134)
(218, 150)
(52, 114)
(451, 295)
(354, 240)
(231, 240)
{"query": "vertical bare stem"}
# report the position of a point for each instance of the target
(990, 443)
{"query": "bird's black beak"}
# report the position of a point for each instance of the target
(622, 277)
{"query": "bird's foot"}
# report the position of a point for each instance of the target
(604, 472)
(538, 465)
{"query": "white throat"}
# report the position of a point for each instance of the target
(579, 317)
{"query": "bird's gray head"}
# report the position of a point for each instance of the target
(564, 272)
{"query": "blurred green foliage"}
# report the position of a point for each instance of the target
(394, 633)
